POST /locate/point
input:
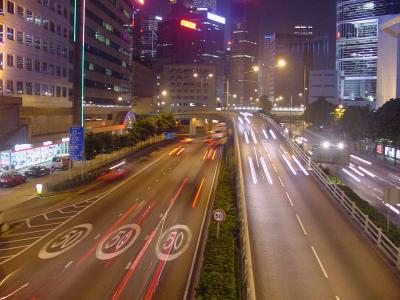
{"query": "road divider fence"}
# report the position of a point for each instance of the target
(380, 240)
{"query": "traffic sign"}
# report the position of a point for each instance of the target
(76, 143)
(219, 215)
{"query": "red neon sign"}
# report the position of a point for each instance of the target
(140, 1)
(188, 24)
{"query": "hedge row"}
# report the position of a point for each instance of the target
(374, 215)
(220, 274)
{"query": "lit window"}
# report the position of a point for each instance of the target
(20, 62)
(10, 7)
(10, 33)
(20, 87)
(10, 86)
(20, 11)
(1, 32)
(29, 16)
(10, 60)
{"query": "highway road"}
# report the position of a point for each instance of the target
(303, 245)
(366, 176)
(133, 239)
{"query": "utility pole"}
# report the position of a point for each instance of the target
(227, 92)
(291, 107)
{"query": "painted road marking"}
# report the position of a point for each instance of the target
(118, 241)
(301, 224)
(280, 180)
(173, 242)
(65, 241)
(337, 298)
(68, 264)
(319, 262)
(275, 169)
(16, 291)
(25, 224)
(290, 200)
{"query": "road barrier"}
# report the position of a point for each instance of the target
(247, 259)
(384, 244)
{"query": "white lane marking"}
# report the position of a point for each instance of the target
(290, 200)
(356, 171)
(351, 175)
(301, 224)
(21, 240)
(28, 232)
(8, 276)
(393, 208)
(240, 120)
(337, 298)
(360, 159)
(97, 236)
(275, 169)
(17, 290)
(44, 225)
(57, 218)
(104, 195)
(252, 169)
(267, 174)
(289, 164)
(273, 134)
(319, 262)
(255, 153)
(280, 180)
(246, 137)
(68, 264)
(28, 223)
(265, 134)
(11, 248)
(128, 265)
(253, 136)
(300, 165)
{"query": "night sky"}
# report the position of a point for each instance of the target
(281, 15)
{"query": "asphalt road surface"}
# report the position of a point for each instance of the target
(133, 239)
(366, 177)
(303, 246)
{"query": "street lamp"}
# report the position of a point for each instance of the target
(164, 93)
(256, 68)
(281, 63)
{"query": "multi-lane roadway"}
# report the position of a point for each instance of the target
(132, 239)
(303, 246)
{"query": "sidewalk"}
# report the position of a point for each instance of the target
(11, 197)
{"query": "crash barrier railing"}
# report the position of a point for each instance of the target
(247, 259)
(387, 247)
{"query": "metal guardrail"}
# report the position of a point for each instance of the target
(387, 247)
(247, 259)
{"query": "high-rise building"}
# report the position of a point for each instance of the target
(107, 73)
(357, 46)
(302, 53)
(193, 37)
(210, 5)
(35, 85)
(242, 82)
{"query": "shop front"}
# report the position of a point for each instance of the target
(25, 155)
(388, 151)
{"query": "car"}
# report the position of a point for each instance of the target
(37, 171)
(61, 163)
(187, 141)
(11, 179)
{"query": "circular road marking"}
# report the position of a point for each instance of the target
(118, 241)
(65, 241)
(173, 242)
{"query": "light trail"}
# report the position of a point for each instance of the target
(267, 174)
(300, 165)
(356, 171)
(253, 171)
(265, 134)
(246, 137)
(367, 172)
(289, 164)
(361, 159)
(240, 120)
(351, 175)
(253, 136)
(272, 134)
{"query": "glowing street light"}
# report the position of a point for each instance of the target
(164, 93)
(256, 68)
(326, 145)
(340, 146)
(281, 63)
(211, 75)
(234, 96)
(195, 75)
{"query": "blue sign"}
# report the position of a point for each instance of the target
(76, 143)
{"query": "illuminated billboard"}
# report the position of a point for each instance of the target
(140, 1)
(188, 24)
(216, 18)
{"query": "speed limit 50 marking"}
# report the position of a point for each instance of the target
(118, 241)
(65, 241)
(173, 242)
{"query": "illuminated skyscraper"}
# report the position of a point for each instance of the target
(210, 5)
(357, 46)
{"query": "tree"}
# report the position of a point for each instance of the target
(319, 113)
(266, 105)
(387, 122)
(90, 146)
(354, 122)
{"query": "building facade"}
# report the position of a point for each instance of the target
(107, 71)
(242, 82)
(323, 83)
(187, 87)
(388, 84)
(302, 53)
(357, 46)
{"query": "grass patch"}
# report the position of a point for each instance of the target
(220, 276)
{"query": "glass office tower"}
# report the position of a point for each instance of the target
(357, 46)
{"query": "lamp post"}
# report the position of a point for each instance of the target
(202, 77)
